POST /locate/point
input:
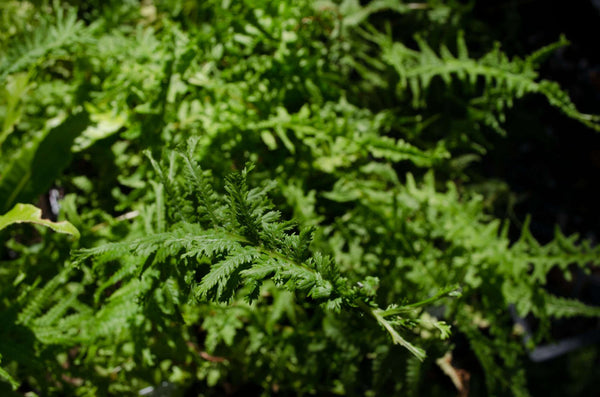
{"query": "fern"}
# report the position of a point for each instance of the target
(469, 249)
(193, 275)
(256, 246)
(36, 304)
(561, 307)
(51, 38)
(504, 79)
(499, 375)
(200, 187)
(7, 377)
(223, 276)
(413, 376)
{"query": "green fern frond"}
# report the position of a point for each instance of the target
(499, 378)
(507, 79)
(200, 186)
(562, 307)
(58, 37)
(120, 310)
(399, 150)
(540, 55)
(38, 299)
(224, 275)
(123, 273)
(413, 376)
(245, 246)
(4, 375)
(58, 311)
(187, 239)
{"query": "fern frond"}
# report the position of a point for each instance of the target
(224, 275)
(248, 249)
(4, 375)
(417, 352)
(56, 312)
(497, 377)
(39, 300)
(172, 189)
(413, 376)
(399, 150)
(200, 186)
(123, 273)
(119, 312)
(187, 239)
(356, 15)
(508, 79)
(51, 38)
(246, 206)
(562, 307)
(540, 55)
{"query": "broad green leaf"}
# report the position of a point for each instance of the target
(28, 213)
(38, 163)
(13, 92)
(103, 125)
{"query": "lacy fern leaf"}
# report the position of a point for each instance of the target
(245, 245)
(505, 79)
(50, 38)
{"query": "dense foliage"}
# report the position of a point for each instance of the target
(266, 198)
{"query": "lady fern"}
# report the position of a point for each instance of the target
(246, 244)
(430, 238)
(503, 79)
(193, 276)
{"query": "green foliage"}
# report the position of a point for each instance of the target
(272, 198)
(504, 80)
(246, 244)
(28, 213)
(51, 39)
